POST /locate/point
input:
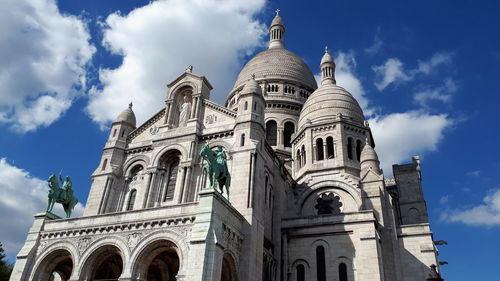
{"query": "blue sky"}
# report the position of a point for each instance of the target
(425, 72)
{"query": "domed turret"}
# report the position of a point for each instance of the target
(251, 87)
(127, 116)
(369, 158)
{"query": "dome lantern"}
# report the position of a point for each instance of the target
(277, 32)
(327, 67)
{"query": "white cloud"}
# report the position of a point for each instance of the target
(159, 40)
(390, 72)
(377, 45)
(43, 56)
(442, 93)
(475, 173)
(401, 135)
(22, 197)
(444, 200)
(393, 72)
(485, 214)
(437, 59)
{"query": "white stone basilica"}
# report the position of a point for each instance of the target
(308, 200)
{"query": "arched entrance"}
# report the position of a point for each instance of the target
(58, 265)
(228, 272)
(159, 261)
(105, 264)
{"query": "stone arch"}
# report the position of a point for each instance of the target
(138, 159)
(349, 267)
(176, 238)
(181, 149)
(301, 261)
(319, 242)
(61, 257)
(229, 268)
(89, 258)
(184, 92)
(330, 184)
(181, 86)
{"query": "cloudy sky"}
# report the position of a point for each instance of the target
(425, 73)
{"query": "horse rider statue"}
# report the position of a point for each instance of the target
(63, 195)
(216, 168)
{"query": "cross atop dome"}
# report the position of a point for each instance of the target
(278, 12)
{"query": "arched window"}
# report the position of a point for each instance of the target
(342, 272)
(123, 133)
(171, 180)
(246, 105)
(301, 273)
(349, 148)
(131, 200)
(320, 263)
(242, 140)
(303, 153)
(287, 134)
(329, 148)
(319, 149)
(298, 159)
(104, 164)
(271, 132)
(358, 150)
(114, 133)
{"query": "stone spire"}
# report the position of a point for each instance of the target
(327, 67)
(277, 32)
(369, 158)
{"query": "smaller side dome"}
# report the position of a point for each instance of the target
(127, 116)
(369, 158)
(251, 87)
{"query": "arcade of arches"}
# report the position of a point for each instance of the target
(159, 261)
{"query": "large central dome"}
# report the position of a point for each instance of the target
(277, 63)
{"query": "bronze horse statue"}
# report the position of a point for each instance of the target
(62, 195)
(216, 168)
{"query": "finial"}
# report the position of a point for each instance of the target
(253, 76)
(278, 12)
(189, 69)
(367, 142)
(130, 105)
(326, 49)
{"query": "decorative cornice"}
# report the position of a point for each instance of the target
(219, 108)
(146, 125)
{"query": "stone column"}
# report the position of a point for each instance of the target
(146, 194)
(167, 112)
(185, 185)
(325, 150)
(170, 113)
(152, 189)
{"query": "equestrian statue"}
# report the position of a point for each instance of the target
(216, 168)
(62, 195)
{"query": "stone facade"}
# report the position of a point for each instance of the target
(308, 200)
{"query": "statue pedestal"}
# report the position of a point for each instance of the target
(26, 256)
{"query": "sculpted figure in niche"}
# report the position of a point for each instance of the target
(184, 112)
